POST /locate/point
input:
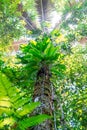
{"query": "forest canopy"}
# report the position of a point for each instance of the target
(43, 65)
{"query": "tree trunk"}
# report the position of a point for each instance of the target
(43, 94)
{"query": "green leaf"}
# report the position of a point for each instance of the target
(7, 121)
(32, 121)
(28, 108)
(35, 53)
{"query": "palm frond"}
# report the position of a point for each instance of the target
(44, 8)
(30, 25)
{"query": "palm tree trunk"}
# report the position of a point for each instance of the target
(43, 94)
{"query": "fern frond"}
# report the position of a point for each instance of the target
(13, 103)
(26, 109)
(7, 121)
(32, 121)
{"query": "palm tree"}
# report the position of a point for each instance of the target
(43, 56)
(41, 63)
(45, 10)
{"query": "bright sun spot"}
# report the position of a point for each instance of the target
(56, 18)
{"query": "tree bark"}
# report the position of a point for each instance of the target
(43, 94)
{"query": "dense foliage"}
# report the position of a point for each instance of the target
(15, 107)
(46, 80)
